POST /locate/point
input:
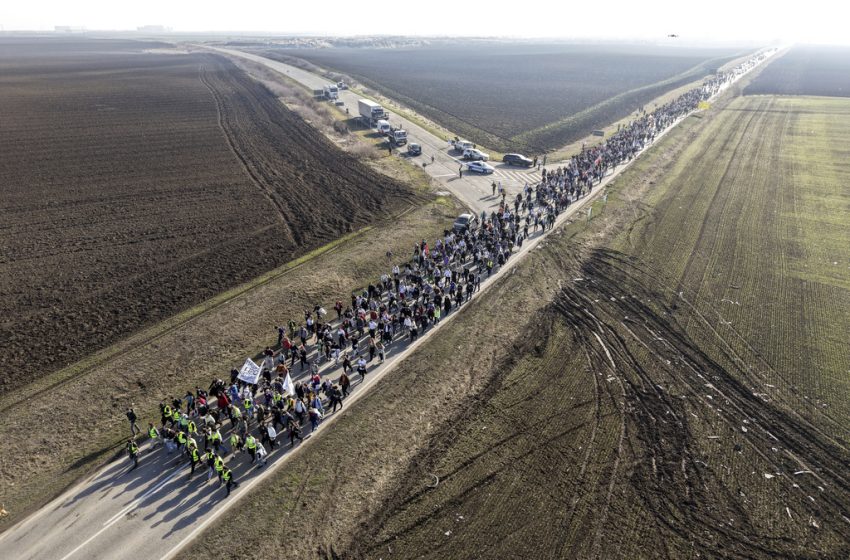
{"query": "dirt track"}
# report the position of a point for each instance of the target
(138, 184)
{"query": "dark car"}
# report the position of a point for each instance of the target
(464, 222)
(517, 159)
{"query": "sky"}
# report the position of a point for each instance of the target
(751, 21)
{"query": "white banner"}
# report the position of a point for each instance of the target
(288, 387)
(250, 372)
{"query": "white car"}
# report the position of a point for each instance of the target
(480, 167)
(475, 155)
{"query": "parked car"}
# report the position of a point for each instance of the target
(480, 167)
(475, 155)
(414, 149)
(517, 159)
(464, 222)
(462, 145)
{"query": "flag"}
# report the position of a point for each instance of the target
(250, 372)
(287, 385)
(704, 105)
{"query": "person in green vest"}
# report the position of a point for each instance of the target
(251, 446)
(249, 407)
(219, 468)
(153, 434)
(209, 456)
(133, 452)
(236, 442)
(215, 439)
(181, 441)
(229, 481)
(166, 412)
(195, 458)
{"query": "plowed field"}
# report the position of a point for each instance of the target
(137, 184)
(516, 96)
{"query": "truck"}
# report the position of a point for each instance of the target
(398, 136)
(371, 111)
(331, 92)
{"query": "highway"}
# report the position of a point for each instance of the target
(473, 189)
(152, 511)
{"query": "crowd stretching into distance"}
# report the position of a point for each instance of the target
(211, 428)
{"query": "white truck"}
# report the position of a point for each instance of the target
(398, 136)
(371, 111)
(331, 92)
(384, 127)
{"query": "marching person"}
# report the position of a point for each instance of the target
(229, 481)
(194, 458)
(133, 452)
(251, 446)
(131, 416)
(153, 434)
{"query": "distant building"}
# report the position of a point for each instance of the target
(68, 29)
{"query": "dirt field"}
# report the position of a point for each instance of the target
(668, 380)
(137, 185)
(806, 70)
(516, 96)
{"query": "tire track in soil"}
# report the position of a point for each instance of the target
(229, 135)
(674, 498)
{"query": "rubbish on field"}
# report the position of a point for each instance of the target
(447, 533)
(436, 481)
(802, 472)
(713, 437)
(788, 510)
(769, 476)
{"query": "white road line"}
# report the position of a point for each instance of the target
(117, 517)
(135, 502)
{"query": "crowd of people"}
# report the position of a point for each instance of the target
(329, 353)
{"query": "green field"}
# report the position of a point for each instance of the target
(687, 392)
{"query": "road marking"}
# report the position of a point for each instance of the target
(117, 517)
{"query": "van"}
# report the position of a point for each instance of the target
(384, 127)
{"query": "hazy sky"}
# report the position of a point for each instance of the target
(821, 21)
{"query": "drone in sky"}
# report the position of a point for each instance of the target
(673, 35)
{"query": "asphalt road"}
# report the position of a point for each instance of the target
(473, 189)
(151, 511)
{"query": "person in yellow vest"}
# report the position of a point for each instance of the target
(175, 418)
(249, 407)
(251, 446)
(195, 458)
(133, 452)
(215, 439)
(166, 412)
(219, 468)
(236, 443)
(153, 434)
(192, 428)
(227, 476)
(209, 456)
(181, 441)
